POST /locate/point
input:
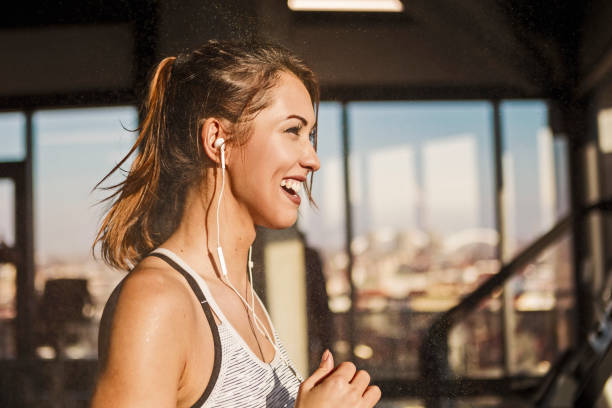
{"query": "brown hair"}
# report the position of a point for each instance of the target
(220, 79)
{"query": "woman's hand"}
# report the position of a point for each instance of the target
(341, 387)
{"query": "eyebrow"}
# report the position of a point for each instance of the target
(304, 121)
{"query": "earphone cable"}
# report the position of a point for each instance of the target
(263, 330)
(219, 206)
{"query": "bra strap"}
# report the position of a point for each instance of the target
(211, 321)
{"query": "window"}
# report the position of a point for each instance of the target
(534, 172)
(543, 306)
(12, 135)
(423, 215)
(414, 235)
(7, 212)
(423, 233)
(73, 149)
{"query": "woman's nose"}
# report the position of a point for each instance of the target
(310, 160)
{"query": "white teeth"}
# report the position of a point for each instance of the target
(294, 185)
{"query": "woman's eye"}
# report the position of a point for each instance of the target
(295, 130)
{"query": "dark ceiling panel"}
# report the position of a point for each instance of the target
(36, 13)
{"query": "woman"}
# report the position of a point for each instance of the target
(227, 141)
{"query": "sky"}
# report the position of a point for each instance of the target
(73, 150)
(421, 165)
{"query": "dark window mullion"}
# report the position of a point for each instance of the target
(507, 312)
(24, 242)
(349, 227)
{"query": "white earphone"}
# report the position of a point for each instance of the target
(220, 143)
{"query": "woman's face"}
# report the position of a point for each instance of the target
(277, 157)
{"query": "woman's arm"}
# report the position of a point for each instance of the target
(147, 343)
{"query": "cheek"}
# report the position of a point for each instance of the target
(266, 159)
(251, 176)
(272, 159)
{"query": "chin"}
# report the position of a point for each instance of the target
(279, 221)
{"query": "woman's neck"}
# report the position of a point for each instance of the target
(195, 239)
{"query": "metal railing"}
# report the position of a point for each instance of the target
(433, 353)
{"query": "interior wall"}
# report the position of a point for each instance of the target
(460, 45)
(189, 23)
(429, 46)
(595, 64)
(603, 122)
(58, 59)
(596, 33)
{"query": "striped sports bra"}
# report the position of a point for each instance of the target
(239, 378)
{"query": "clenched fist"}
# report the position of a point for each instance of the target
(340, 387)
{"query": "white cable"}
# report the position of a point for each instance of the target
(250, 265)
(219, 206)
(257, 321)
(219, 251)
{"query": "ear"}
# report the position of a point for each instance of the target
(211, 131)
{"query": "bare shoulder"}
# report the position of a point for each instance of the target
(153, 285)
(143, 335)
(152, 300)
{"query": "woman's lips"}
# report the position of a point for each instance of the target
(293, 197)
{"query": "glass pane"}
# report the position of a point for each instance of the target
(544, 306)
(12, 135)
(8, 272)
(534, 172)
(8, 309)
(74, 149)
(324, 232)
(424, 231)
(7, 212)
(562, 178)
(475, 346)
(543, 319)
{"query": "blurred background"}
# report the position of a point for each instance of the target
(460, 248)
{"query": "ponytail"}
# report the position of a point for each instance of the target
(125, 234)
